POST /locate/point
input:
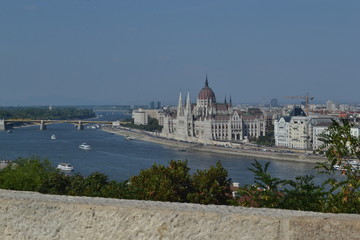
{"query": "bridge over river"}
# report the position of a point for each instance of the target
(8, 123)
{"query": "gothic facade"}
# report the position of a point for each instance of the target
(208, 121)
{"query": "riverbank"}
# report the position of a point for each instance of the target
(244, 151)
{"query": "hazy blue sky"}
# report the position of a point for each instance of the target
(131, 52)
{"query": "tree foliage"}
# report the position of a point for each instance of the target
(162, 183)
(25, 174)
(341, 149)
(159, 183)
(35, 113)
(211, 186)
(337, 194)
(266, 190)
(152, 126)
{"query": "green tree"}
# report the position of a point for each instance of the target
(211, 186)
(76, 186)
(91, 186)
(55, 183)
(266, 192)
(162, 183)
(337, 194)
(341, 148)
(303, 195)
(94, 184)
(273, 192)
(45, 113)
(25, 174)
(116, 189)
(152, 126)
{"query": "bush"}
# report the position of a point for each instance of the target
(336, 195)
(211, 186)
(162, 183)
(25, 174)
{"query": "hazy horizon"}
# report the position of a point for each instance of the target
(89, 52)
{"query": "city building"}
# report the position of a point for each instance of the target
(318, 130)
(281, 135)
(299, 131)
(330, 105)
(208, 121)
(140, 117)
(158, 114)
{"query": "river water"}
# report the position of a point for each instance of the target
(120, 158)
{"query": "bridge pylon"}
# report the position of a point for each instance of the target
(2, 124)
(80, 126)
(42, 125)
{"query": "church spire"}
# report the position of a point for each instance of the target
(180, 110)
(206, 82)
(188, 105)
(230, 101)
(225, 100)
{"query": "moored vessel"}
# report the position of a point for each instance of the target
(65, 167)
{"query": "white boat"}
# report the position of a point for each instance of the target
(65, 166)
(338, 167)
(85, 146)
(354, 163)
(53, 137)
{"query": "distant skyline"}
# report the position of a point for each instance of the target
(133, 52)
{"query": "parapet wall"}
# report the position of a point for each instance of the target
(28, 215)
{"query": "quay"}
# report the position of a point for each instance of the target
(244, 150)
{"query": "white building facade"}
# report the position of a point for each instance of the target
(140, 117)
(208, 121)
(281, 135)
(299, 131)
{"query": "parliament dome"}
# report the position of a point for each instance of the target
(207, 93)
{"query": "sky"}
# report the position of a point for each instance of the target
(73, 52)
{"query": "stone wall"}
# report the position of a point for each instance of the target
(28, 215)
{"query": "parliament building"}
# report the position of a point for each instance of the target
(209, 122)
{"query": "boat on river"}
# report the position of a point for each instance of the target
(353, 165)
(65, 167)
(53, 137)
(85, 146)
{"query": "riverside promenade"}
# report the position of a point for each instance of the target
(243, 150)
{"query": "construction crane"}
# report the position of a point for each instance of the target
(307, 99)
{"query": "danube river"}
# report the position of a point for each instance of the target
(120, 158)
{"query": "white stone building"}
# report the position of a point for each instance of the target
(281, 135)
(140, 117)
(208, 121)
(158, 114)
(355, 131)
(299, 131)
(322, 127)
(317, 131)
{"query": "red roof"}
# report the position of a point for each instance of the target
(206, 93)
